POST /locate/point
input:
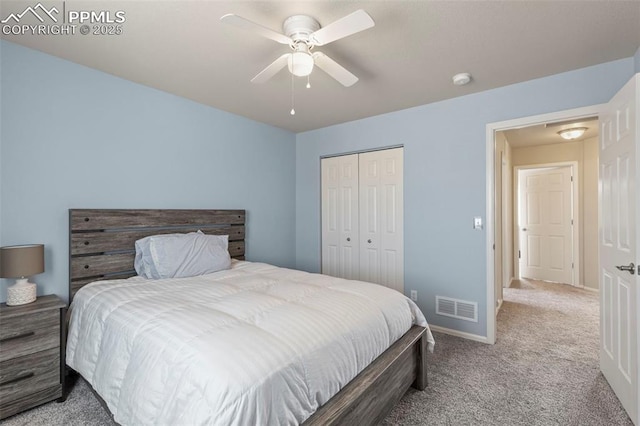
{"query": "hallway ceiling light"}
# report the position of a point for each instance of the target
(573, 133)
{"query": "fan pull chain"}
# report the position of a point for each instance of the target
(293, 111)
(308, 83)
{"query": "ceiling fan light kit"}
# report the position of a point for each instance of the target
(300, 62)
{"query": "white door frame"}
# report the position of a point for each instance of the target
(575, 206)
(491, 130)
(506, 256)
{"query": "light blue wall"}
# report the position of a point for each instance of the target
(445, 177)
(636, 60)
(73, 137)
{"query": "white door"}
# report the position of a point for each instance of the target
(381, 218)
(340, 242)
(619, 322)
(545, 227)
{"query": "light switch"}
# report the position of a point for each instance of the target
(477, 222)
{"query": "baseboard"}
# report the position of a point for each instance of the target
(595, 290)
(452, 332)
(511, 282)
(499, 306)
(583, 287)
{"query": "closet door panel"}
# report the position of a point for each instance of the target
(392, 219)
(340, 216)
(381, 218)
(369, 217)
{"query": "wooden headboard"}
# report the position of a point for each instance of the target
(102, 241)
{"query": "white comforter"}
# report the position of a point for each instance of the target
(255, 344)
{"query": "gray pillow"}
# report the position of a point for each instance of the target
(181, 255)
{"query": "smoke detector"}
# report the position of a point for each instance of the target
(461, 79)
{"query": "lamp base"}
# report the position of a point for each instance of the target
(21, 293)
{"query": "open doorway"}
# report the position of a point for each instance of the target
(529, 143)
(554, 203)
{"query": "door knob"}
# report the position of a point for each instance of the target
(369, 241)
(631, 268)
(348, 239)
(524, 229)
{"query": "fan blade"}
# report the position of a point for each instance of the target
(343, 27)
(334, 69)
(272, 69)
(245, 24)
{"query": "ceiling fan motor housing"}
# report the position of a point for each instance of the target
(300, 27)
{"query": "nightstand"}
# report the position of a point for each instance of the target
(31, 354)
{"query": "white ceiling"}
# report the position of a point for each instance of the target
(406, 60)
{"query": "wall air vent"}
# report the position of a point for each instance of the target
(455, 308)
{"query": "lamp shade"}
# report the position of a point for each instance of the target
(21, 261)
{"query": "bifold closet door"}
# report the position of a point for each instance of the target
(362, 217)
(340, 242)
(381, 217)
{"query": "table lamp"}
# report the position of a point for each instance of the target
(21, 262)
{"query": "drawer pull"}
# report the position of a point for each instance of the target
(17, 379)
(19, 336)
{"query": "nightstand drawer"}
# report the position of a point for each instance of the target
(24, 335)
(29, 374)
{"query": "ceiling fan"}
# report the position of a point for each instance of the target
(303, 33)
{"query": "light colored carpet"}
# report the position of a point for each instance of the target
(543, 370)
(80, 409)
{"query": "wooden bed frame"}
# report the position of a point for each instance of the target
(101, 246)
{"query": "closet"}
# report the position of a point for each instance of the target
(362, 217)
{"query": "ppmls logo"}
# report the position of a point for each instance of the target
(52, 22)
(16, 17)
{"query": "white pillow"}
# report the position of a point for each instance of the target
(143, 262)
(181, 255)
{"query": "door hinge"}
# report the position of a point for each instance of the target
(519, 254)
(571, 265)
(572, 221)
(494, 246)
(571, 178)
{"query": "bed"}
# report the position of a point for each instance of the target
(172, 373)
